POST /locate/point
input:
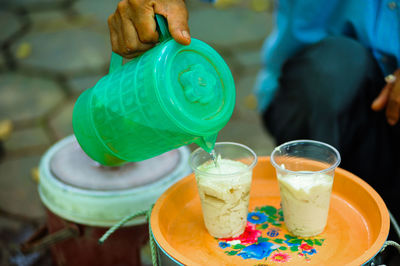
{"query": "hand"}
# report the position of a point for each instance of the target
(390, 98)
(133, 26)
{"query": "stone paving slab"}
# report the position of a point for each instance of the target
(244, 88)
(61, 123)
(249, 133)
(25, 97)
(49, 20)
(18, 191)
(27, 3)
(249, 58)
(193, 5)
(245, 125)
(70, 50)
(9, 25)
(80, 84)
(27, 138)
(2, 62)
(101, 10)
(231, 60)
(229, 27)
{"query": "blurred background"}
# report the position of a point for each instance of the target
(52, 50)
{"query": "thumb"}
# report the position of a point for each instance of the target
(380, 102)
(177, 17)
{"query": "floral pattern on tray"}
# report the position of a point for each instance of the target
(265, 239)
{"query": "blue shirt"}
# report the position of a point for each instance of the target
(374, 23)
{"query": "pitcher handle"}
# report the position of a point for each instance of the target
(115, 62)
(162, 28)
(164, 35)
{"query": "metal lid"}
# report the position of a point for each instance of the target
(73, 187)
(72, 166)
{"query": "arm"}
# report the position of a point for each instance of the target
(133, 27)
(298, 24)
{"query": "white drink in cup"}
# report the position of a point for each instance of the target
(224, 187)
(305, 171)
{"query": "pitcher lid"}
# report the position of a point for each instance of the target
(195, 87)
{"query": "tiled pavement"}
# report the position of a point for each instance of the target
(52, 50)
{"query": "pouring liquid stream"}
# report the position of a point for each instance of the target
(207, 143)
(213, 155)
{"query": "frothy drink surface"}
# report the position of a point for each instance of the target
(305, 201)
(224, 190)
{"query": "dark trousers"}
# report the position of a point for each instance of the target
(325, 94)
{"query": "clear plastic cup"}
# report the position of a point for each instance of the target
(305, 171)
(224, 188)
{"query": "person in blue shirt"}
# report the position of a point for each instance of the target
(331, 73)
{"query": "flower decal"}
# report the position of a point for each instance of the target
(265, 238)
(223, 245)
(234, 242)
(249, 236)
(290, 244)
(257, 217)
(305, 246)
(310, 252)
(307, 249)
(257, 251)
(273, 232)
(280, 257)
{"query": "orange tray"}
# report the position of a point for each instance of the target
(358, 225)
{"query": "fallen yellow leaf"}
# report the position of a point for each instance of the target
(6, 127)
(24, 50)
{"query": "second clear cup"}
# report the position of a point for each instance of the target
(305, 171)
(224, 187)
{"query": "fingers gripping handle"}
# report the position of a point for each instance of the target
(164, 35)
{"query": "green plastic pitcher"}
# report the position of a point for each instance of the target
(168, 97)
